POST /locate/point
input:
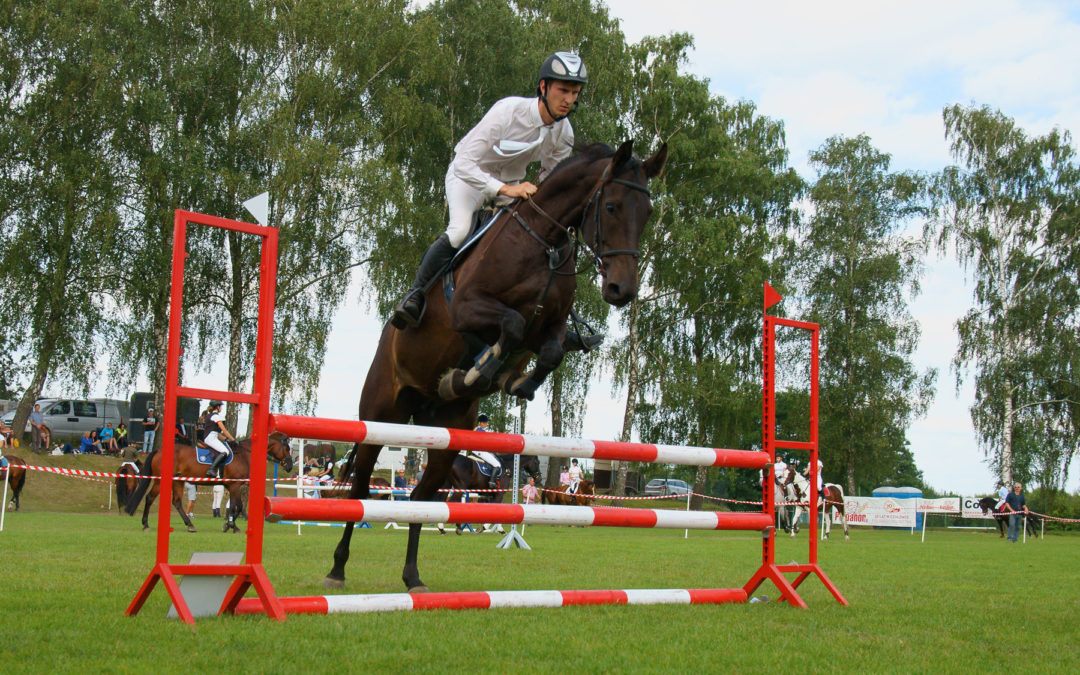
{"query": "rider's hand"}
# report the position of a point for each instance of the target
(521, 190)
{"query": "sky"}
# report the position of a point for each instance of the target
(839, 68)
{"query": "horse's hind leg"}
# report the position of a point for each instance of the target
(146, 509)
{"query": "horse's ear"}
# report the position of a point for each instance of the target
(655, 164)
(623, 155)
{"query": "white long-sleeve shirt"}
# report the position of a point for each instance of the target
(512, 135)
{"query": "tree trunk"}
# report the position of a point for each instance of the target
(556, 380)
(629, 410)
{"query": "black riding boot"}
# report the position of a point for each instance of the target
(217, 513)
(410, 310)
(576, 342)
(215, 467)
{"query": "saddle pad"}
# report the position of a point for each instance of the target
(205, 457)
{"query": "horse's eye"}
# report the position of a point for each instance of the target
(610, 206)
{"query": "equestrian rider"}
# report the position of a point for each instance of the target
(493, 481)
(576, 474)
(213, 424)
(490, 162)
(1002, 493)
(780, 468)
(820, 478)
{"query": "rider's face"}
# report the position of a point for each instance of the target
(561, 96)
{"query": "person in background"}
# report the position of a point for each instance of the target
(564, 476)
(108, 439)
(399, 480)
(5, 436)
(820, 476)
(182, 432)
(1016, 507)
(576, 474)
(529, 492)
(420, 473)
(121, 435)
(150, 426)
(219, 495)
(189, 494)
(46, 437)
(88, 445)
(129, 453)
(37, 421)
(489, 458)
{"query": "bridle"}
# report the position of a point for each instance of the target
(574, 234)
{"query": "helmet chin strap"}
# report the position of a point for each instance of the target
(543, 99)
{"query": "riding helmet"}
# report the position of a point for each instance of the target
(565, 66)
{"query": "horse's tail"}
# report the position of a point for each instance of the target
(144, 484)
(121, 488)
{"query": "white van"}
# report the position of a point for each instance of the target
(67, 418)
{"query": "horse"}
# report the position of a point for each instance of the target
(16, 477)
(832, 495)
(779, 498)
(987, 505)
(480, 338)
(127, 480)
(466, 477)
(560, 497)
(235, 474)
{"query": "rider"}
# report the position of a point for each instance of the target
(576, 474)
(213, 423)
(496, 467)
(780, 468)
(490, 162)
(1002, 493)
(820, 477)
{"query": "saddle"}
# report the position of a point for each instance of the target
(204, 455)
(485, 468)
(483, 219)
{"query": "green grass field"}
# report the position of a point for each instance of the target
(961, 602)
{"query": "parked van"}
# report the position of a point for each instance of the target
(69, 418)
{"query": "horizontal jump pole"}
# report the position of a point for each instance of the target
(440, 438)
(376, 511)
(389, 602)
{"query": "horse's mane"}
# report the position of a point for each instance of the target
(585, 153)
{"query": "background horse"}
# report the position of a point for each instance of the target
(465, 476)
(830, 498)
(779, 498)
(15, 477)
(987, 505)
(560, 497)
(187, 464)
(127, 481)
(480, 338)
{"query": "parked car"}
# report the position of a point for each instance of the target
(664, 487)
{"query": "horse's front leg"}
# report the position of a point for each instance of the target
(236, 507)
(547, 360)
(180, 509)
(364, 457)
(150, 497)
(477, 316)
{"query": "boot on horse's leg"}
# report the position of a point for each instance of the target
(410, 310)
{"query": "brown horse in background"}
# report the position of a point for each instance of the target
(186, 464)
(514, 292)
(560, 497)
(15, 477)
(127, 480)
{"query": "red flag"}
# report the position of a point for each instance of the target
(771, 296)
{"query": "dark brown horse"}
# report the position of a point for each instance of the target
(560, 497)
(127, 480)
(514, 292)
(15, 475)
(987, 505)
(465, 475)
(187, 465)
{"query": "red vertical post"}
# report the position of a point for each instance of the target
(814, 470)
(768, 432)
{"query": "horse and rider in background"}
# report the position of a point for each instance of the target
(831, 498)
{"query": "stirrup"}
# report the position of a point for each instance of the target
(403, 317)
(576, 342)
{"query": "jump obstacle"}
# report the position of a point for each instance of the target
(251, 573)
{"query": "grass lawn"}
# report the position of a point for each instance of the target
(961, 602)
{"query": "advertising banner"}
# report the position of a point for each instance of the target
(970, 508)
(880, 511)
(943, 506)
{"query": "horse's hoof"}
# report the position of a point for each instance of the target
(847, 538)
(191, 528)
(145, 528)
(331, 582)
(419, 589)
(225, 527)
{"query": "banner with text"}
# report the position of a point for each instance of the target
(970, 508)
(942, 506)
(880, 511)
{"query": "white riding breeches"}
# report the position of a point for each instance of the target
(463, 200)
(219, 494)
(488, 457)
(216, 443)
